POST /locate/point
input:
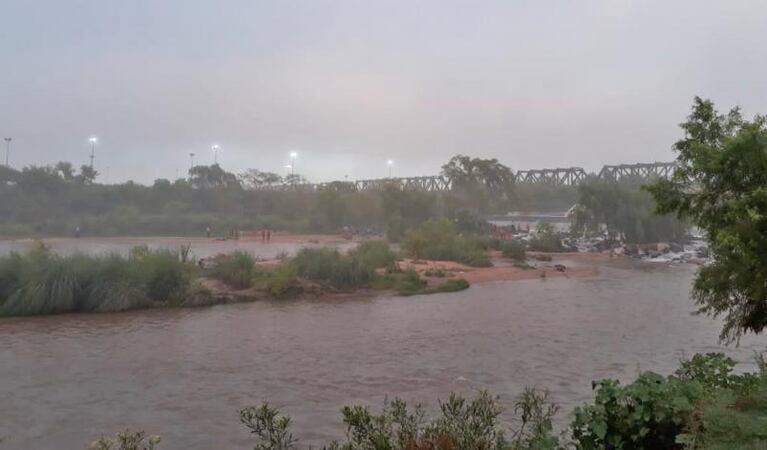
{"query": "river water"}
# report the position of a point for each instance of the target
(185, 373)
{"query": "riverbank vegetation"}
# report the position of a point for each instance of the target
(625, 212)
(438, 239)
(57, 199)
(41, 282)
(702, 406)
(371, 265)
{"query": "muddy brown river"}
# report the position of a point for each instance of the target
(185, 373)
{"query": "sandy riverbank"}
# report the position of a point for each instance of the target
(276, 237)
(575, 265)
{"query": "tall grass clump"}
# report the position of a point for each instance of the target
(237, 270)
(163, 274)
(330, 266)
(41, 282)
(438, 239)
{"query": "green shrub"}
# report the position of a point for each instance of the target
(236, 270)
(436, 273)
(453, 285)
(546, 240)
(374, 254)
(729, 420)
(166, 278)
(461, 424)
(282, 282)
(126, 440)
(437, 239)
(514, 250)
(329, 265)
(647, 414)
(406, 282)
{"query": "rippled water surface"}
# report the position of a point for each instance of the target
(184, 374)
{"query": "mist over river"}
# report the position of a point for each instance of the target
(185, 373)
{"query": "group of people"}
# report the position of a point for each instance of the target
(266, 235)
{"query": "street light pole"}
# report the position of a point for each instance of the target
(215, 148)
(390, 163)
(7, 150)
(93, 140)
(191, 161)
(293, 156)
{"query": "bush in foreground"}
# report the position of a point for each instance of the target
(703, 406)
(127, 440)
(461, 424)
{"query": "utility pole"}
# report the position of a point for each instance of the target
(7, 150)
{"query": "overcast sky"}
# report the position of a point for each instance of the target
(350, 84)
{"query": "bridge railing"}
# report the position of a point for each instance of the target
(566, 176)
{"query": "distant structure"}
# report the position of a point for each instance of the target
(639, 172)
(568, 176)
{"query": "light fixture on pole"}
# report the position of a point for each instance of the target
(390, 163)
(191, 161)
(293, 156)
(215, 148)
(93, 140)
(7, 150)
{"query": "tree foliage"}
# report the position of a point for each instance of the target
(487, 182)
(211, 177)
(720, 183)
(626, 213)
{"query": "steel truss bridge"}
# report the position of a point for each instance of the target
(566, 176)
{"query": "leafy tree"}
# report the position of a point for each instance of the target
(65, 170)
(256, 179)
(626, 213)
(208, 177)
(482, 183)
(295, 179)
(720, 183)
(87, 174)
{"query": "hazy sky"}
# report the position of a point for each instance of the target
(350, 84)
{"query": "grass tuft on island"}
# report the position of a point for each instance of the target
(42, 282)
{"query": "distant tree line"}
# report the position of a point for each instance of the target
(56, 199)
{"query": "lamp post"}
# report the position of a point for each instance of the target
(93, 140)
(293, 156)
(191, 161)
(215, 148)
(7, 150)
(390, 163)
